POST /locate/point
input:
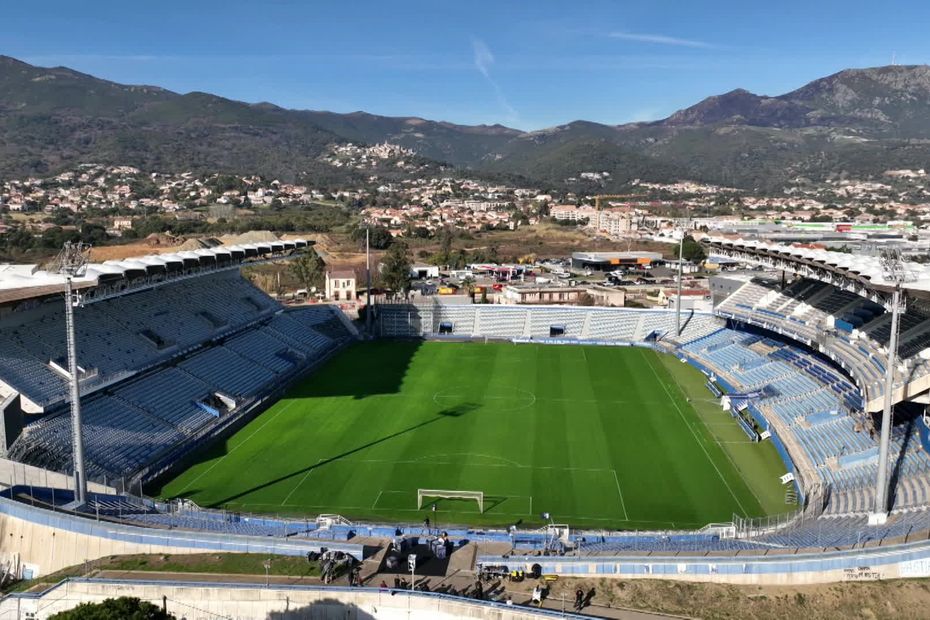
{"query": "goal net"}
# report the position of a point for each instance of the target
(447, 494)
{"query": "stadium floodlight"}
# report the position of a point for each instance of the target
(368, 280)
(72, 263)
(895, 271)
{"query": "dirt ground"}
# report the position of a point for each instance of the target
(98, 254)
(543, 240)
(897, 599)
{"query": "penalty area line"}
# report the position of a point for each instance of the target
(302, 480)
(626, 517)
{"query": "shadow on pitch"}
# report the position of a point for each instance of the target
(381, 370)
(450, 412)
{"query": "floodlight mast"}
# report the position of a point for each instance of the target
(72, 263)
(368, 281)
(894, 271)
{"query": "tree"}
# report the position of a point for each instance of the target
(380, 237)
(692, 251)
(125, 608)
(395, 268)
(585, 299)
(459, 259)
(444, 257)
(309, 269)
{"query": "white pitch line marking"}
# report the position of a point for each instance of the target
(297, 486)
(468, 454)
(422, 459)
(626, 517)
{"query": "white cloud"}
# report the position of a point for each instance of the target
(659, 39)
(484, 59)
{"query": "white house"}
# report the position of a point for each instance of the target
(420, 271)
(341, 285)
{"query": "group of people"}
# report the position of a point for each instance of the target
(332, 564)
(583, 599)
(541, 590)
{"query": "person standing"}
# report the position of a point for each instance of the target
(579, 599)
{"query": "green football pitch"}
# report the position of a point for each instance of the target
(599, 437)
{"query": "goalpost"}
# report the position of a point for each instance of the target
(447, 494)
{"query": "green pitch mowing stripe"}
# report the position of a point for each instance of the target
(604, 437)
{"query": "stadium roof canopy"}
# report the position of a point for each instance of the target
(113, 277)
(865, 275)
(606, 257)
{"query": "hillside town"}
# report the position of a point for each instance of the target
(118, 198)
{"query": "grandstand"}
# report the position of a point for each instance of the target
(799, 363)
(838, 305)
(509, 322)
(165, 365)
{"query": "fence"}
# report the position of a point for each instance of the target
(785, 567)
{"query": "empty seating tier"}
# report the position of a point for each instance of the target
(228, 345)
(509, 322)
(124, 335)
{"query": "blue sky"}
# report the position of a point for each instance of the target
(528, 64)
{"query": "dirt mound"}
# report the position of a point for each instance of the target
(253, 236)
(199, 243)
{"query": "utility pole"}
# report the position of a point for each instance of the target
(412, 565)
(72, 263)
(368, 281)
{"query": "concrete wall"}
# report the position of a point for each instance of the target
(13, 473)
(40, 550)
(210, 601)
(40, 541)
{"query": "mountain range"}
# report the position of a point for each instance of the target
(858, 122)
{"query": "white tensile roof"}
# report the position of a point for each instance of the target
(867, 268)
(24, 277)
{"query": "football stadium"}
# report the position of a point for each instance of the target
(780, 439)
